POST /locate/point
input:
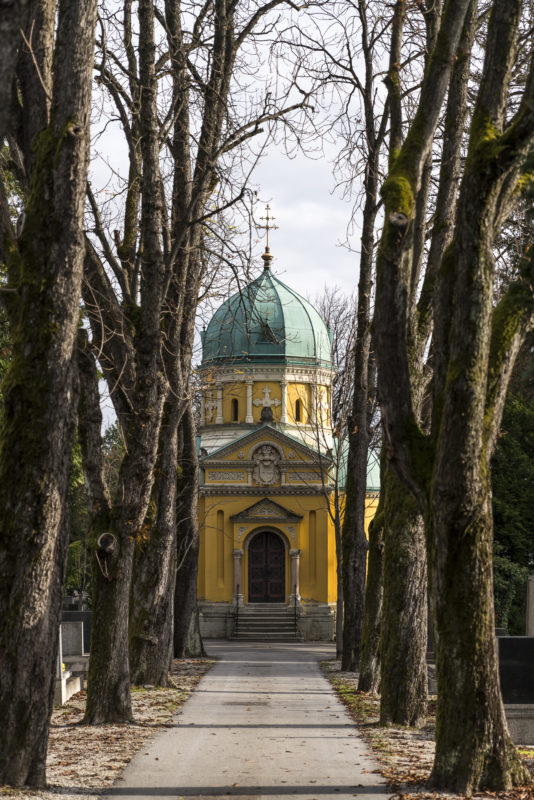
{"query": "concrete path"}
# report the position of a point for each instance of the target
(263, 723)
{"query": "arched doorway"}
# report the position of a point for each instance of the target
(266, 569)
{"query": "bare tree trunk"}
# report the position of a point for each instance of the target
(40, 392)
(339, 584)
(154, 573)
(469, 697)
(140, 415)
(404, 685)
(354, 540)
(186, 633)
(12, 20)
(370, 666)
(474, 350)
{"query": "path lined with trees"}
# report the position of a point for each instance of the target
(442, 151)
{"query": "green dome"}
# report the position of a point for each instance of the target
(267, 322)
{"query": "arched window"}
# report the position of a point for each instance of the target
(235, 410)
(298, 411)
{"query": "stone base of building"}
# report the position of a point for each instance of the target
(316, 621)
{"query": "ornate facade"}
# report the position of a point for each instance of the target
(266, 457)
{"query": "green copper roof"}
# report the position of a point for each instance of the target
(267, 322)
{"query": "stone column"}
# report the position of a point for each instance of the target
(238, 577)
(313, 410)
(219, 419)
(295, 575)
(249, 418)
(283, 410)
(530, 606)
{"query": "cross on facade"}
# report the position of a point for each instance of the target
(267, 402)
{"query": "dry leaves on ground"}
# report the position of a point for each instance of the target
(85, 759)
(405, 755)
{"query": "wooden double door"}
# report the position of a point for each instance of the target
(266, 569)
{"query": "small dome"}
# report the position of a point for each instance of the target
(267, 322)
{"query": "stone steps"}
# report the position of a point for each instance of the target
(272, 622)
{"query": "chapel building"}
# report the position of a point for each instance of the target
(267, 539)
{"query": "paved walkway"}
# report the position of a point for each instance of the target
(263, 723)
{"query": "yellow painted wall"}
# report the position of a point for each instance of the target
(298, 391)
(317, 565)
(275, 394)
(237, 391)
(295, 391)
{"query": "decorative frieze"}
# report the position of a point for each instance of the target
(304, 476)
(226, 476)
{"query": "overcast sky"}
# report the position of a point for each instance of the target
(312, 223)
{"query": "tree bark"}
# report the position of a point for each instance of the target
(474, 350)
(404, 685)
(12, 20)
(370, 659)
(186, 631)
(140, 410)
(469, 698)
(154, 573)
(339, 582)
(40, 392)
(354, 540)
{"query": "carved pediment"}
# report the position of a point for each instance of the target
(243, 449)
(266, 511)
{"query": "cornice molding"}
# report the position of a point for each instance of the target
(288, 490)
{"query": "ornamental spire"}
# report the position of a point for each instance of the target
(267, 257)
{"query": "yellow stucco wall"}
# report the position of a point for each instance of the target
(237, 390)
(234, 391)
(301, 392)
(313, 536)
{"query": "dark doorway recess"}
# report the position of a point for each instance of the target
(266, 569)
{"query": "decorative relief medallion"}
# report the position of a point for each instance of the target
(226, 476)
(291, 454)
(266, 461)
(241, 454)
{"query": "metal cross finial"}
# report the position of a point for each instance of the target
(268, 227)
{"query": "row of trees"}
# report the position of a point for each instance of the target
(182, 83)
(443, 149)
(449, 144)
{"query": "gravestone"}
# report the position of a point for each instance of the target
(530, 606)
(72, 638)
(516, 667)
(80, 616)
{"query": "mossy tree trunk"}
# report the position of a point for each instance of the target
(474, 349)
(141, 318)
(154, 572)
(404, 684)
(40, 392)
(139, 400)
(370, 658)
(354, 540)
(13, 17)
(186, 633)
(404, 677)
